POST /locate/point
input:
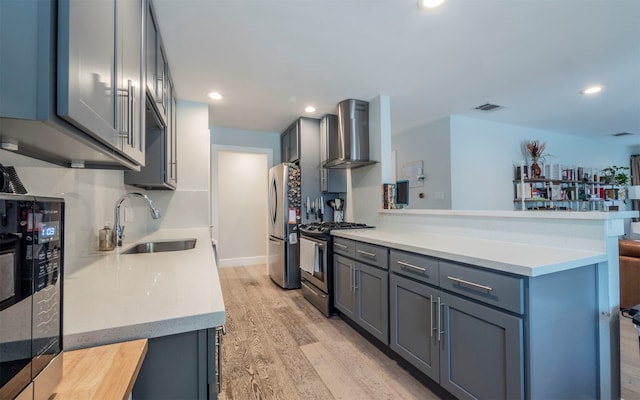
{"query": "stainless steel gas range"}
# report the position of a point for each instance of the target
(316, 262)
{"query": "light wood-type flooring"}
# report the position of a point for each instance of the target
(278, 346)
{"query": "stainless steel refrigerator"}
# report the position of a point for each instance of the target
(283, 252)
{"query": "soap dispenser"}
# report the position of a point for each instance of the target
(105, 238)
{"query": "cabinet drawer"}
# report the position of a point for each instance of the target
(372, 254)
(415, 266)
(344, 246)
(493, 288)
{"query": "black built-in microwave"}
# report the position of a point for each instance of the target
(31, 267)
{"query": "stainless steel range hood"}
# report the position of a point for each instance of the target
(349, 145)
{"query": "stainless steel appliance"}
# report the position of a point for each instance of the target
(348, 146)
(31, 263)
(316, 262)
(283, 255)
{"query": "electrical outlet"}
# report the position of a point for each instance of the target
(128, 214)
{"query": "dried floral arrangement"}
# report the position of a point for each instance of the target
(535, 149)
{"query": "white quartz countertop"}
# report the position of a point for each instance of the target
(119, 297)
(516, 258)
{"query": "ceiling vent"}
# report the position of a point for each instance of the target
(622, 134)
(488, 107)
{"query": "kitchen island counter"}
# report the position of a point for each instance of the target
(516, 258)
(118, 297)
(546, 248)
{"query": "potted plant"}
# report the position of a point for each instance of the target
(616, 176)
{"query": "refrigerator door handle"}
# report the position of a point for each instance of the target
(273, 200)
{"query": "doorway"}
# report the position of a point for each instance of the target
(239, 204)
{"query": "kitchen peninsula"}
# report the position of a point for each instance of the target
(529, 298)
(172, 298)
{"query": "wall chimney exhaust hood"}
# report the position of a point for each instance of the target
(349, 145)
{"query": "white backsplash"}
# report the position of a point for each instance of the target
(90, 197)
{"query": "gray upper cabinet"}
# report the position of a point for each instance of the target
(100, 70)
(66, 97)
(157, 70)
(87, 90)
(161, 167)
(172, 150)
(151, 39)
(331, 180)
(130, 72)
(290, 144)
(299, 144)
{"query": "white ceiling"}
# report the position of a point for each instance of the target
(271, 58)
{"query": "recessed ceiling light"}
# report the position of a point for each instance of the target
(429, 4)
(310, 109)
(215, 95)
(591, 90)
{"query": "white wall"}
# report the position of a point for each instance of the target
(242, 208)
(243, 138)
(483, 152)
(430, 144)
(471, 160)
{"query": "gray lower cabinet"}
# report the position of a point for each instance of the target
(472, 351)
(413, 324)
(484, 334)
(343, 277)
(182, 366)
(481, 350)
(361, 294)
(372, 294)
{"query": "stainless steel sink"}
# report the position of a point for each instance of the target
(161, 246)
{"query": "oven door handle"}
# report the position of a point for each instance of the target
(320, 243)
(313, 291)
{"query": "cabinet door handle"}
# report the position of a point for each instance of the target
(130, 119)
(355, 279)
(366, 253)
(473, 284)
(342, 246)
(350, 277)
(404, 264)
(440, 330)
(431, 316)
(219, 332)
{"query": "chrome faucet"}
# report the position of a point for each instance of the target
(118, 230)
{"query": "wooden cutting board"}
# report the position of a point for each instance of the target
(101, 372)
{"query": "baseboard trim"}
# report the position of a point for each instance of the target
(236, 262)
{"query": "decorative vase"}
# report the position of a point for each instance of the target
(536, 171)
